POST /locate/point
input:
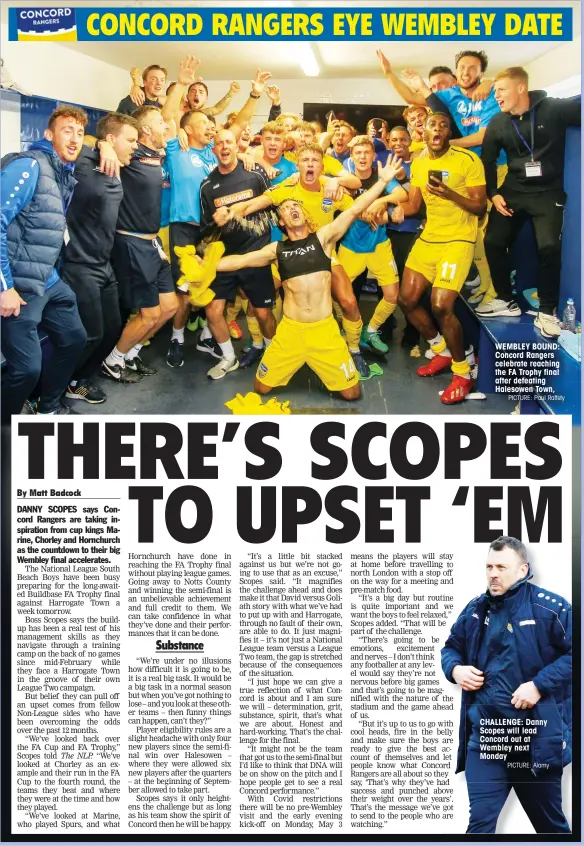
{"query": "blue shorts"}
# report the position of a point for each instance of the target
(141, 271)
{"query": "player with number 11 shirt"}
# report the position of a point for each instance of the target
(451, 181)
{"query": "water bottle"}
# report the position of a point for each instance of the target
(569, 318)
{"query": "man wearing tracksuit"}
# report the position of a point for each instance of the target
(91, 220)
(37, 187)
(510, 651)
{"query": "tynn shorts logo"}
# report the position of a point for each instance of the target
(262, 369)
(50, 23)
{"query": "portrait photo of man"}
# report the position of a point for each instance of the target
(510, 651)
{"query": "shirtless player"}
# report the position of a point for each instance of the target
(308, 333)
(310, 190)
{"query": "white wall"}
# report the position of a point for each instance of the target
(10, 124)
(555, 66)
(50, 70)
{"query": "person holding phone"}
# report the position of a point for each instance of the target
(451, 181)
(378, 130)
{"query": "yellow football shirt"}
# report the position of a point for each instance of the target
(446, 221)
(319, 210)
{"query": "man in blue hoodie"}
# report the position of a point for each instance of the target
(37, 187)
(510, 651)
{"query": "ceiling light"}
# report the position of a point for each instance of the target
(308, 61)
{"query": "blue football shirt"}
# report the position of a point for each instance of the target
(187, 172)
(468, 115)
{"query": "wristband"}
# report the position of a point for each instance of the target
(254, 96)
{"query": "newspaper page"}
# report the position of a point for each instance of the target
(303, 559)
(197, 657)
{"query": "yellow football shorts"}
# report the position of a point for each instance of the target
(319, 345)
(443, 265)
(380, 262)
(163, 234)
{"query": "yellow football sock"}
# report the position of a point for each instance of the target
(254, 330)
(439, 347)
(352, 333)
(233, 309)
(460, 368)
(383, 310)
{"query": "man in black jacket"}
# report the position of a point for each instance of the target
(37, 187)
(91, 220)
(531, 129)
(510, 650)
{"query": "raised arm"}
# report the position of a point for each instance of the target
(413, 98)
(257, 258)
(137, 95)
(334, 231)
(172, 109)
(246, 114)
(224, 102)
(273, 93)
(325, 138)
(416, 85)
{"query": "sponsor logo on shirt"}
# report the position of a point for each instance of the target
(299, 251)
(197, 161)
(326, 204)
(233, 198)
(468, 108)
(471, 121)
(149, 161)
